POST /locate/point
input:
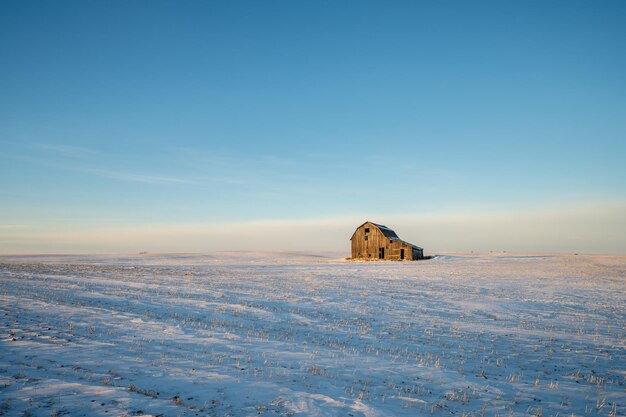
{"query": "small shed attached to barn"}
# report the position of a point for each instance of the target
(375, 241)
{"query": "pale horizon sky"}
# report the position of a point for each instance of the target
(203, 126)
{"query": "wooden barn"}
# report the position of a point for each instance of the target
(375, 241)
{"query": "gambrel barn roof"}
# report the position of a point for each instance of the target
(387, 232)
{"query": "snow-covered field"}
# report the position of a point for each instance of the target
(249, 334)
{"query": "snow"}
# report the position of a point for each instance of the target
(292, 334)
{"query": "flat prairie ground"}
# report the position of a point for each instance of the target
(260, 334)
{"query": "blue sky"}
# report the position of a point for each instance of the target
(129, 116)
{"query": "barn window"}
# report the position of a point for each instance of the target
(367, 230)
(390, 241)
(365, 237)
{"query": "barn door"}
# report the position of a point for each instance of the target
(401, 253)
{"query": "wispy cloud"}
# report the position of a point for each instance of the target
(146, 178)
(138, 177)
(67, 150)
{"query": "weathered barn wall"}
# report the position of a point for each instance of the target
(367, 245)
